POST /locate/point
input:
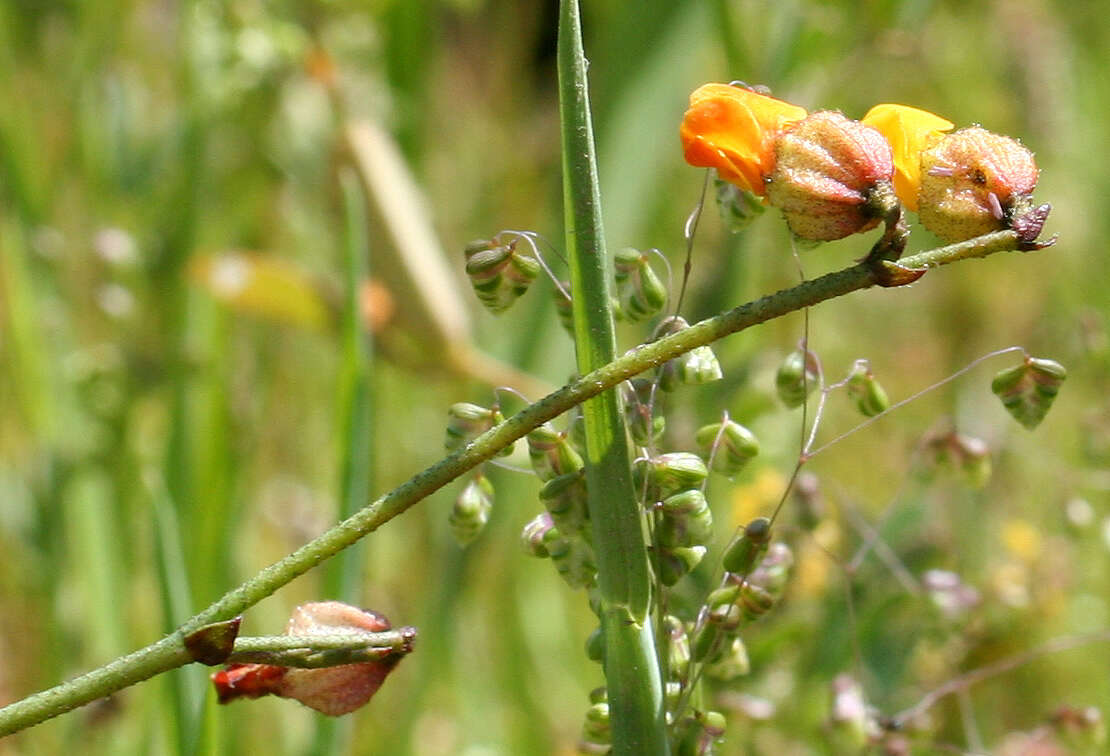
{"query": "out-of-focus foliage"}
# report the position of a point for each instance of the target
(175, 412)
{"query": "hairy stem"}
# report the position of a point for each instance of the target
(170, 652)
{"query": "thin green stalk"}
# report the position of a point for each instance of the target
(170, 652)
(340, 579)
(635, 688)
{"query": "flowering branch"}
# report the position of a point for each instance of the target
(170, 652)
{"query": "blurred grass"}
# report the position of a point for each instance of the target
(139, 138)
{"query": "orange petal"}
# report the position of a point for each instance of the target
(733, 130)
(910, 132)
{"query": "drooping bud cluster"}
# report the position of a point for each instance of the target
(727, 446)
(670, 486)
(499, 272)
(744, 596)
(1028, 390)
(640, 293)
(329, 690)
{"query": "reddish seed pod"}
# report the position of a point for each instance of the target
(329, 690)
(826, 169)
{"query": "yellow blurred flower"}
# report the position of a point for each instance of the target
(1022, 539)
(734, 130)
(910, 132)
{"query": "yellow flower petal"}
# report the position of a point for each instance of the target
(734, 130)
(910, 132)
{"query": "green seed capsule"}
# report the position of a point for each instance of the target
(705, 640)
(499, 274)
(743, 553)
(565, 498)
(551, 454)
(754, 601)
(573, 558)
(865, 391)
(640, 293)
(595, 646)
(667, 474)
(730, 661)
(471, 511)
(466, 421)
(675, 562)
(595, 729)
(796, 378)
(729, 445)
(686, 521)
(1028, 390)
(678, 647)
(700, 365)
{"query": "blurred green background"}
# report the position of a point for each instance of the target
(195, 378)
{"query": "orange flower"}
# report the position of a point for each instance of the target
(910, 132)
(734, 130)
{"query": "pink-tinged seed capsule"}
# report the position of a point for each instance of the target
(826, 171)
(972, 181)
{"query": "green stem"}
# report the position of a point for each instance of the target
(635, 687)
(170, 652)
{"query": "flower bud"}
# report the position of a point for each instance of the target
(734, 130)
(640, 293)
(466, 421)
(471, 511)
(1028, 390)
(865, 391)
(498, 273)
(741, 555)
(686, 520)
(728, 446)
(699, 734)
(551, 454)
(826, 169)
(329, 690)
(797, 377)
